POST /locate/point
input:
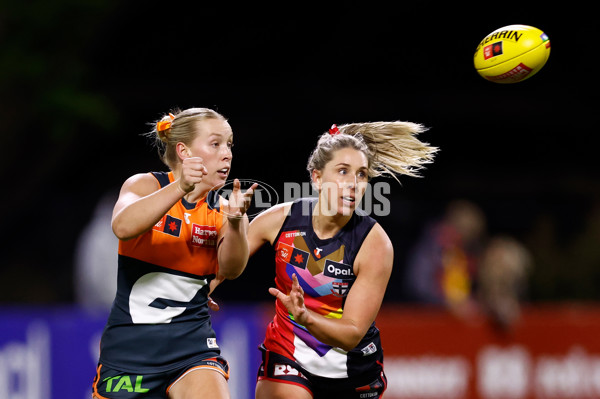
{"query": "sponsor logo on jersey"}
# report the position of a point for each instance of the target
(297, 233)
(293, 256)
(211, 343)
(369, 349)
(169, 225)
(317, 252)
(204, 236)
(338, 270)
(285, 370)
(123, 383)
(369, 395)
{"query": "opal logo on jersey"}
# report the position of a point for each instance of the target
(123, 383)
(338, 270)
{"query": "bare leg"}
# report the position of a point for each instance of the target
(266, 389)
(200, 383)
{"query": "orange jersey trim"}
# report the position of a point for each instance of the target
(95, 394)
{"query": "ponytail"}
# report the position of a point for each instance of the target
(392, 148)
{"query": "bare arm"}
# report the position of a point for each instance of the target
(264, 227)
(233, 249)
(373, 267)
(141, 204)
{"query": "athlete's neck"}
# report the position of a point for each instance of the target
(326, 226)
(195, 195)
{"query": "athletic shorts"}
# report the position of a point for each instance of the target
(114, 384)
(278, 368)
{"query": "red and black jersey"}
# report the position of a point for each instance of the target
(325, 270)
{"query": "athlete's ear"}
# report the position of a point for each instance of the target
(183, 151)
(316, 179)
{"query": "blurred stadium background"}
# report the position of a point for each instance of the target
(80, 81)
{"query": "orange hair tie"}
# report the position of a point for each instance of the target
(165, 125)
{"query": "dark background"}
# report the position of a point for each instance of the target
(80, 81)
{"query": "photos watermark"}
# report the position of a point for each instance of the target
(374, 201)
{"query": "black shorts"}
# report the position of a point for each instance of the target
(278, 368)
(115, 384)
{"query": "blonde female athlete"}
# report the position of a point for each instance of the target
(333, 263)
(177, 240)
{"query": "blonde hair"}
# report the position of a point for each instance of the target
(391, 147)
(178, 126)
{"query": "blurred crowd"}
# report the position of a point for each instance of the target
(456, 264)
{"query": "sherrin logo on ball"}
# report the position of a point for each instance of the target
(512, 54)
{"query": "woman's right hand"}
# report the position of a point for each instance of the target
(192, 173)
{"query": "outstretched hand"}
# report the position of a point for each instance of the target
(294, 302)
(239, 202)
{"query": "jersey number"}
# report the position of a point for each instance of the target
(158, 297)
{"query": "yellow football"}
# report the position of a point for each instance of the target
(512, 54)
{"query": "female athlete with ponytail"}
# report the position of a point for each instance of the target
(333, 263)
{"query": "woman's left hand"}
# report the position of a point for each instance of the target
(294, 302)
(238, 202)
